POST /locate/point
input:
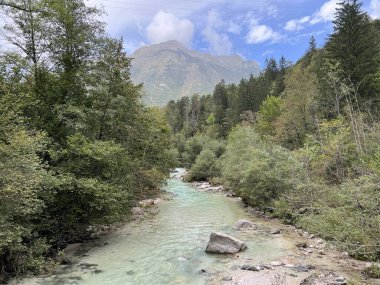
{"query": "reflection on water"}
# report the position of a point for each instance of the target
(169, 247)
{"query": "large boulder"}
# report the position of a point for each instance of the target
(222, 243)
(244, 224)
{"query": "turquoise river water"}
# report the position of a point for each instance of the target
(169, 248)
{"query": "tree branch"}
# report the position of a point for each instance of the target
(14, 6)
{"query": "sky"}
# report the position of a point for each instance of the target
(253, 29)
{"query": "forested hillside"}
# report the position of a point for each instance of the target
(301, 141)
(77, 147)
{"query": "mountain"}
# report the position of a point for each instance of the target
(170, 71)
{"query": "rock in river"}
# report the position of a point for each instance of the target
(222, 243)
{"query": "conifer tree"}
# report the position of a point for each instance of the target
(353, 46)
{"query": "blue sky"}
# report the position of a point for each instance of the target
(254, 30)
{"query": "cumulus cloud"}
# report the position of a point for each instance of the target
(259, 33)
(166, 26)
(324, 14)
(375, 9)
(219, 42)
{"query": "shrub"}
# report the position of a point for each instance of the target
(259, 171)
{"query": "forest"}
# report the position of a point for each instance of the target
(77, 146)
(300, 141)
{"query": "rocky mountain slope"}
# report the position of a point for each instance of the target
(170, 71)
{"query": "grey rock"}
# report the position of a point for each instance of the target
(137, 211)
(227, 278)
(340, 281)
(303, 268)
(251, 267)
(276, 232)
(244, 224)
(222, 243)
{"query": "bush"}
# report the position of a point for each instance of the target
(90, 184)
(349, 216)
(258, 171)
(21, 175)
(205, 166)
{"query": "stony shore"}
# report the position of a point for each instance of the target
(309, 261)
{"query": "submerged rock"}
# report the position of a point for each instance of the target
(276, 232)
(137, 211)
(244, 224)
(222, 243)
(252, 267)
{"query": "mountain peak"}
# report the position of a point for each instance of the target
(170, 70)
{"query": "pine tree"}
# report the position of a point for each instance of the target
(354, 47)
(312, 45)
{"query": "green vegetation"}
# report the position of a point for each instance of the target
(301, 140)
(372, 271)
(77, 147)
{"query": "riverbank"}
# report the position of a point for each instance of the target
(72, 256)
(309, 260)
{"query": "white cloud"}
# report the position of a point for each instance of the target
(267, 52)
(375, 9)
(324, 14)
(261, 33)
(219, 42)
(166, 26)
(296, 24)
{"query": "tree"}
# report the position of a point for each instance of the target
(114, 99)
(269, 112)
(354, 47)
(297, 111)
(312, 45)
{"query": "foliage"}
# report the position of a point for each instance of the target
(21, 175)
(297, 111)
(349, 216)
(256, 170)
(353, 46)
(269, 112)
(78, 148)
(206, 164)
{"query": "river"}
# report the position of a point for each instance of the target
(168, 248)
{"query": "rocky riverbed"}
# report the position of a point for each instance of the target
(311, 260)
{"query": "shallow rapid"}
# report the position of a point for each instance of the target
(168, 248)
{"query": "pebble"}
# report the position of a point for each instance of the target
(251, 268)
(227, 278)
(340, 281)
(276, 263)
(289, 265)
